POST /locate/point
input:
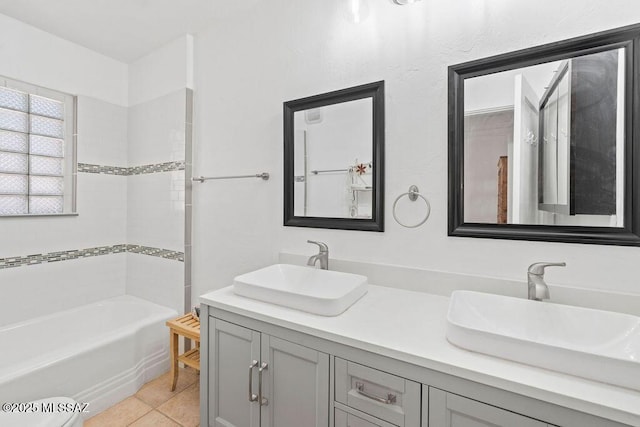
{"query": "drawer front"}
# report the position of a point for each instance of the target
(382, 395)
(348, 419)
(450, 410)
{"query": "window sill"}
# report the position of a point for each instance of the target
(38, 215)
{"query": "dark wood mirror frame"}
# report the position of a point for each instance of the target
(629, 235)
(376, 223)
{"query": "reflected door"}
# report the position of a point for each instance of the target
(524, 200)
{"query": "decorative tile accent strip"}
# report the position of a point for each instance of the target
(20, 261)
(157, 167)
(162, 253)
(133, 170)
(60, 256)
(107, 170)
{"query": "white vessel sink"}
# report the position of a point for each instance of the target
(594, 344)
(323, 292)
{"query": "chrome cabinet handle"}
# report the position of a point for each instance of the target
(391, 398)
(252, 397)
(263, 400)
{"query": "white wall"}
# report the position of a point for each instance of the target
(252, 60)
(28, 52)
(36, 57)
(165, 70)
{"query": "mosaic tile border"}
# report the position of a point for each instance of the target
(162, 253)
(36, 259)
(106, 170)
(133, 170)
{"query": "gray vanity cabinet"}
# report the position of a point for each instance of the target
(245, 365)
(344, 386)
(450, 410)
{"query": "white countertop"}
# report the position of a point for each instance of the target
(410, 326)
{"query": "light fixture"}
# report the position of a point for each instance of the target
(403, 2)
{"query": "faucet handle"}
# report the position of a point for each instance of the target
(323, 246)
(538, 267)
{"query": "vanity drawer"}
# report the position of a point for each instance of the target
(382, 395)
(348, 418)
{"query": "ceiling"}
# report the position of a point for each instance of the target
(121, 29)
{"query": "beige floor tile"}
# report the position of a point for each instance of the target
(185, 407)
(120, 415)
(155, 419)
(158, 391)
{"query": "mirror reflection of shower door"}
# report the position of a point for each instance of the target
(563, 141)
(549, 175)
(524, 197)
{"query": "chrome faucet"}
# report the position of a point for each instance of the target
(322, 256)
(536, 285)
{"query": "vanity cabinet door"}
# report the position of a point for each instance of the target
(295, 385)
(232, 349)
(245, 365)
(451, 410)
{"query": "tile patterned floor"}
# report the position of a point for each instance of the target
(154, 405)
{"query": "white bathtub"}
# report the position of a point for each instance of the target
(99, 353)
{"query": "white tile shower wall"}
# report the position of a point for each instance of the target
(156, 279)
(101, 199)
(104, 135)
(102, 132)
(157, 129)
(46, 288)
(51, 287)
(304, 51)
(156, 201)
(40, 58)
(155, 204)
(101, 220)
(156, 210)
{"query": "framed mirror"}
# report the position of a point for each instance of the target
(542, 142)
(334, 159)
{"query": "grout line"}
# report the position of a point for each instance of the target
(168, 417)
(143, 415)
(171, 398)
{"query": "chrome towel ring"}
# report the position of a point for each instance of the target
(413, 195)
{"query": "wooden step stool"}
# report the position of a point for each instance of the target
(187, 326)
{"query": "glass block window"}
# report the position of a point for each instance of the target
(37, 149)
